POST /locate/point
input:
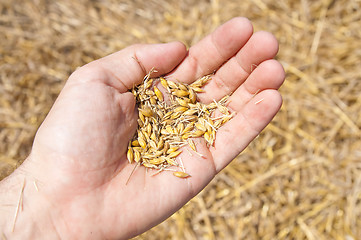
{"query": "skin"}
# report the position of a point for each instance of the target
(74, 180)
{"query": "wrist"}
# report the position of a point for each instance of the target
(25, 212)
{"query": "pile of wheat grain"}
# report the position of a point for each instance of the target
(166, 127)
(300, 179)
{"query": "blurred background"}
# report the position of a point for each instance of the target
(300, 179)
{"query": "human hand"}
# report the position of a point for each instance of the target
(79, 160)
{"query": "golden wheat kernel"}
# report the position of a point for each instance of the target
(160, 114)
(207, 137)
(169, 129)
(189, 127)
(193, 106)
(212, 105)
(149, 165)
(168, 122)
(141, 116)
(197, 89)
(175, 131)
(164, 131)
(158, 153)
(197, 133)
(135, 143)
(191, 144)
(158, 93)
(227, 118)
(172, 149)
(213, 134)
(163, 82)
(153, 100)
(171, 161)
(182, 87)
(149, 129)
(148, 83)
(202, 121)
(172, 84)
(199, 106)
(180, 93)
(145, 135)
(145, 98)
(153, 136)
(160, 144)
(192, 96)
(208, 125)
(218, 123)
(192, 118)
(174, 154)
(142, 142)
(201, 81)
(190, 112)
(187, 99)
(152, 144)
(183, 102)
(181, 174)
(149, 93)
(146, 111)
(200, 127)
(137, 156)
(223, 109)
(175, 115)
(180, 128)
(186, 135)
(167, 115)
(130, 155)
(180, 109)
(224, 99)
(166, 147)
(140, 134)
(146, 121)
(139, 149)
(156, 161)
(146, 156)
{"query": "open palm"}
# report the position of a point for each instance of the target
(79, 153)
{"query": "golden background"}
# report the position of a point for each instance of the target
(300, 179)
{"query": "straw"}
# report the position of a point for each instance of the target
(300, 179)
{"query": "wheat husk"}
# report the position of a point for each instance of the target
(300, 179)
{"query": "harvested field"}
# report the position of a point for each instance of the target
(300, 179)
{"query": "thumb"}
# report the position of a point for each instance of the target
(126, 68)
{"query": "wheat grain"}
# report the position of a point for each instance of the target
(165, 127)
